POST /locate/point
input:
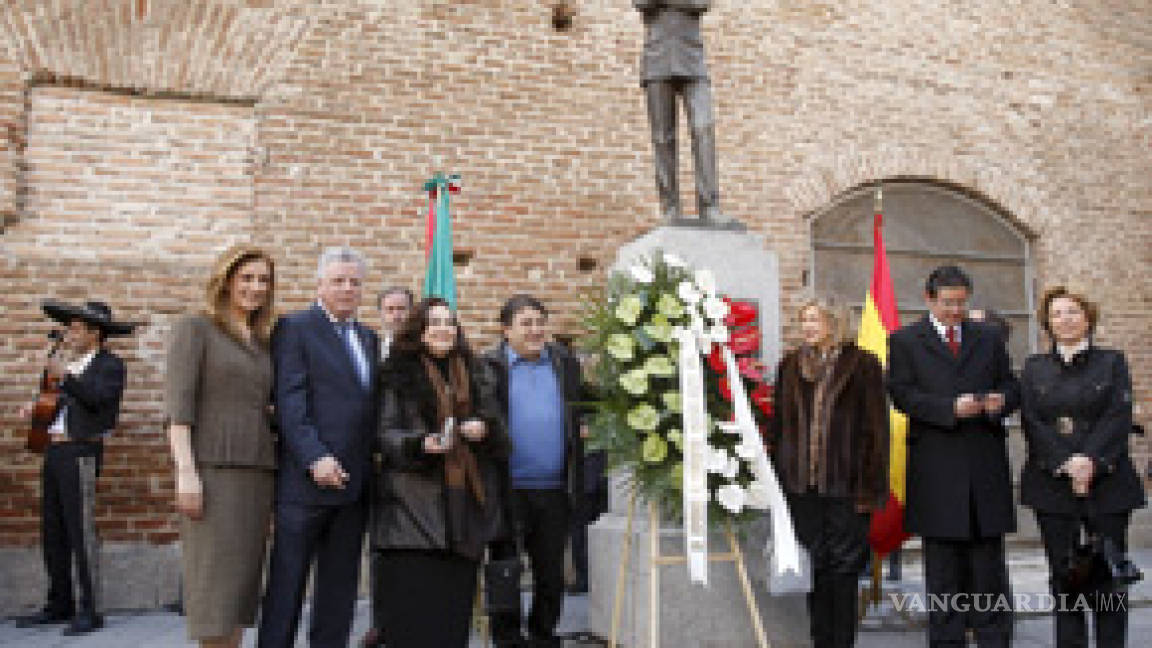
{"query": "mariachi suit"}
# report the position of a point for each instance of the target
(90, 401)
(322, 408)
(959, 491)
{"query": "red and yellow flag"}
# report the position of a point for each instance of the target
(880, 318)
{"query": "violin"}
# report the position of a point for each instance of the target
(44, 409)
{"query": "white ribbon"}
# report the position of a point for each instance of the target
(765, 491)
(695, 445)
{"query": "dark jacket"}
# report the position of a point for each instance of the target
(673, 44)
(855, 463)
(93, 397)
(1094, 393)
(409, 510)
(321, 407)
(567, 370)
(957, 469)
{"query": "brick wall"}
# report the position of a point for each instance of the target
(331, 114)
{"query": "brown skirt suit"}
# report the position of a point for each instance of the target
(220, 387)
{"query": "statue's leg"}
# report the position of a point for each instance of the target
(661, 97)
(698, 106)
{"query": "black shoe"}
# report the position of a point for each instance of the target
(83, 623)
(46, 616)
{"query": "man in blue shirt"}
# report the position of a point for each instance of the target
(540, 387)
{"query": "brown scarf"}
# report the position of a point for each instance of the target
(454, 398)
(816, 367)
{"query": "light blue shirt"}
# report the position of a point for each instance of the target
(535, 422)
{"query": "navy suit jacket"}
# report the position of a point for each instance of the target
(321, 406)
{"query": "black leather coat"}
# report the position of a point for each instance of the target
(1080, 407)
(409, 504)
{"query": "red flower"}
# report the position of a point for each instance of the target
(745, 341)
(751, 368)
(716, 360)
(740, 313)
(762, 397)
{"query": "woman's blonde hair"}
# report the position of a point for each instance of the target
(1044, 314)
(835, 311)
(216, 292)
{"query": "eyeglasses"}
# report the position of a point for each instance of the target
(441, 321)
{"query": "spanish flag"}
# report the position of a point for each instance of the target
(880, 318)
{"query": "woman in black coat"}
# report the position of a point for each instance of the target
(437, 502)
(1077, 415)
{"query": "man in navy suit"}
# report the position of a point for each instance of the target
(953, 379)
(326, 374)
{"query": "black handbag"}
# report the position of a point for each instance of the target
(1096, 565)
(502, 585)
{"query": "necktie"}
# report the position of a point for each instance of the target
(953, 345)
(354, 350)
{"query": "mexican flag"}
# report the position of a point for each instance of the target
(440, 279)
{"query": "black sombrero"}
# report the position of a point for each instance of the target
(96, 313)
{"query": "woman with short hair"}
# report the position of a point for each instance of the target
(829, 443)
(1077, 415)
(217, 397)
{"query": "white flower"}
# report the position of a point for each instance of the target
(730, 427)
(747, 450)
(688, 293)
(641, 273)
(673, 261)
(731, 497)
(717, 460)
(706, 281)
(731, 468)
(758, 497)
(715, 308)
(718, 334)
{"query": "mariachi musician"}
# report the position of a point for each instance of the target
(88, 381)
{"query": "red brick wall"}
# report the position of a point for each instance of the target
(1039, 108)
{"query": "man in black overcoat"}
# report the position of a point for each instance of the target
(953, 379)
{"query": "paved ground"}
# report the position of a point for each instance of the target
(883, 628)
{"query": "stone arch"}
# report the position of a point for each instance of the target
(240, 47)
(926, 224)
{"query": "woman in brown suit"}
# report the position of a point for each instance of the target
(219, 382)
(830, 447)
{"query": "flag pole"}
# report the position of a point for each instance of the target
(876, 590)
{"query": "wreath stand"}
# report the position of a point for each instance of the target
(656, 560)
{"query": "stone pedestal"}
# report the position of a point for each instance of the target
(692, 615)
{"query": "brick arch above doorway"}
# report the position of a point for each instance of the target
(240, 48)
(1012, 187)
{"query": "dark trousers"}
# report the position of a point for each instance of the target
(426, 598)
(331, 537)
(578, 539)
(970, 567)
(836, 537)
(541, 519)
(374, 589)
(1059, 533)
(68, 531)
(697, 97)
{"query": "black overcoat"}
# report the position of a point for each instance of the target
(957, 471)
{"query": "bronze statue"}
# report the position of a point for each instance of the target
(673, 66)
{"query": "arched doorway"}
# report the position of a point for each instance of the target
(926, 225)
